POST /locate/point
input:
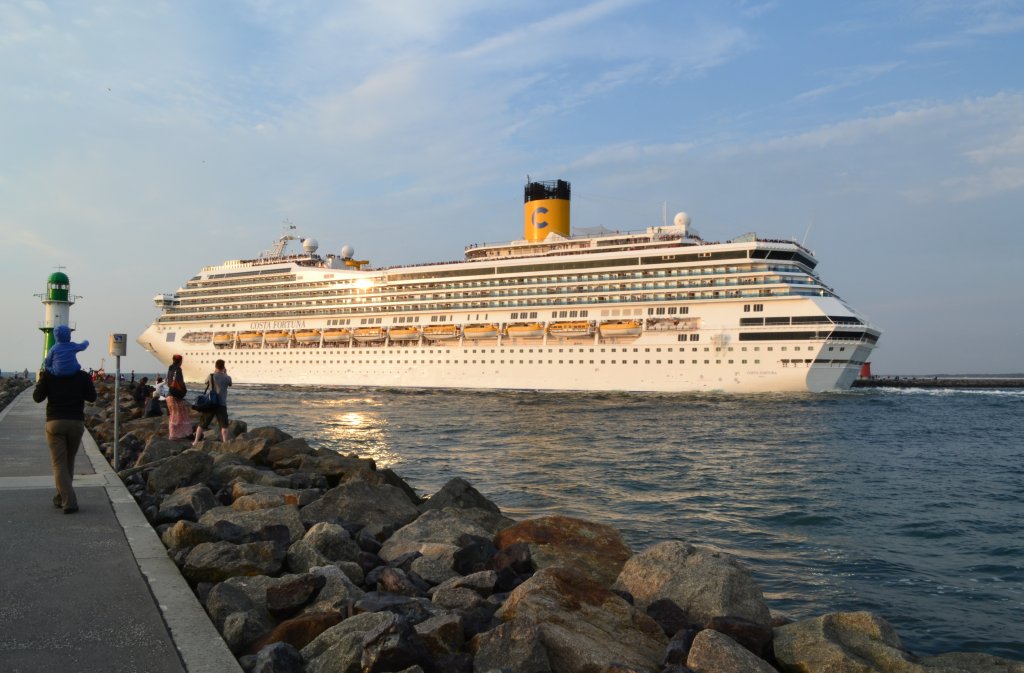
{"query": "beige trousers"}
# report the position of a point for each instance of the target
(64, 437)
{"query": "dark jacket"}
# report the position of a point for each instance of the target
(65, 395)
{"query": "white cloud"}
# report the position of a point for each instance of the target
(626, 153)
(850, 77)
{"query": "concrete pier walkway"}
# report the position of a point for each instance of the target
(94, 591)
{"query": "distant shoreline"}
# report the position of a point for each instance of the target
(994, 381)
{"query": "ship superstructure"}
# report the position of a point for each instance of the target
(653, 310)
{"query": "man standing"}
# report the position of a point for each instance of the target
(65, 424)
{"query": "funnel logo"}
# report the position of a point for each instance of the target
(543, 223)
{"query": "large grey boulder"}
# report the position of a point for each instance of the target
(158, 449)
(187, 502)
(338, 592)
(514, 645)
(374, 506)
(333, 541)
(442, 634)
(230, 470)
(217, 561)
(714, 652)
(268, 432)
(705, 583)
(435, 570)
(287, 496)
(339, 649)
(185, 534)
(584, 626)
(184, 469)
(254, 449)
(862, 642)
(238, 608)
(395, 646)
(282, 452)
(323, 544)
(459, 493)
(591, 548)
(337, 468)
(434, 527)
(255, 520)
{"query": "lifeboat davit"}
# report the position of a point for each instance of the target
(485, 331)
(620, 328)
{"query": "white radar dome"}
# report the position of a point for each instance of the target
(681, 220)
(310, 245)
(347, 252)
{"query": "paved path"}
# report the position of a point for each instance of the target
(91, 592)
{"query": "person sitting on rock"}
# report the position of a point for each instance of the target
(62, 359)
(142, 392)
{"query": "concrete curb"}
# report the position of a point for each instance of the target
(200, 646)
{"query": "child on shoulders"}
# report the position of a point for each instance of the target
(62, 359)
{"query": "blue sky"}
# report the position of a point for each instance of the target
(140, 141)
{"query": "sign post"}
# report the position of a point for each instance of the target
(118, 347)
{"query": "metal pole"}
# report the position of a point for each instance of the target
(117, 408)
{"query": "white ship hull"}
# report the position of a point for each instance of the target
(655, 361)
(659, 310)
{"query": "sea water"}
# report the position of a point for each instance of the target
(907, 503)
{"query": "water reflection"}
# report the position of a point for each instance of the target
(350, 426)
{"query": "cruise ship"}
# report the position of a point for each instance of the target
(659, 309)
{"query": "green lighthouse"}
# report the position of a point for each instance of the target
(58, 300)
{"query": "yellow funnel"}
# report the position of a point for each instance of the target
(546, 210)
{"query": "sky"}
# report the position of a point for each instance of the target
(141, 141)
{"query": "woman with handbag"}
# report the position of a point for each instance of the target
(180, 424)
(217, 384)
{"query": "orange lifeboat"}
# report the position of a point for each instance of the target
(404, 333)
(441, 332)
(333, 336)
(368, 334)
(277, 337)
(307, 336)
(482, 331)
(572, 328)
(525, 330)
(620, 328)
(250, 337)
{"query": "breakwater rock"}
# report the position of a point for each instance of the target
(11, 388)
(311, 561)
